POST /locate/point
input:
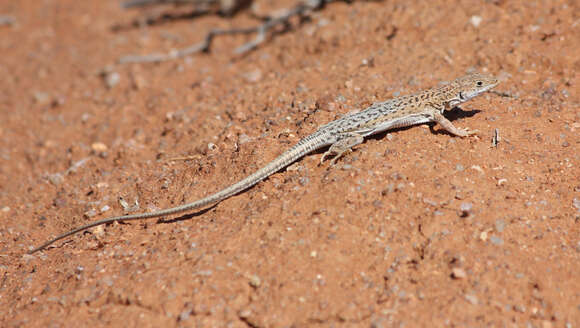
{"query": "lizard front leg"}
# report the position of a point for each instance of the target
(342, 146)
(449, 127)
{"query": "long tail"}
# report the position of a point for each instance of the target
(304, 147)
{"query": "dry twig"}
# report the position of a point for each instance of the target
(302, 10)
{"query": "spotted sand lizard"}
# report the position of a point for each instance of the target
(341, 135)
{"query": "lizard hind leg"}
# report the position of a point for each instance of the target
(342, 146)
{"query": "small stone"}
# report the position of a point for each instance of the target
(499, 225)
(458, 273)
(430, 202)
(466, 209)
(243, 138)
(389, 189)
(496, 240)
(255, 281)
(477, 168)
(244, 314)
(184, 315)
(107, 281)
(475, 20)
(471, 299)
(483, 235)
(576, 203)
(90, 213)
(56, 179)
(5, 209)
(565, 93)
(111, 79)
(99, 147)
(459, 168)
(41, 98)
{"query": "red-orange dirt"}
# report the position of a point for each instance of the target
(414, 228)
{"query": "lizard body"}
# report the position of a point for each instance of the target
(341, 135)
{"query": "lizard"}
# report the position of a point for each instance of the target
(340, 136)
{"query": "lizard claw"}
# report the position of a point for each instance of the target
(336, 157)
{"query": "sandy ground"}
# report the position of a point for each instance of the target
(414, 228)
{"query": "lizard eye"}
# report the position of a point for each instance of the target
(479, 83)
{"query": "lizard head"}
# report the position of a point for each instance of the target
(470, 86)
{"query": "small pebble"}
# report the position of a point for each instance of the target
(56, 179)
(466, 209)
(459, 167)
(475, 20)
(90, 213)
(255, 281)
(496, 240)
(430, 202)
(477, 168)
(112, 79)
(565, 93)
(244, 314)
(41, 98)
(483, 235)
(107, 281)
(99, 147)
(184, 315)
(499, 225)
(243, 138)
(458, 273)
(472, 299)
(520, 308)
(576, 203)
